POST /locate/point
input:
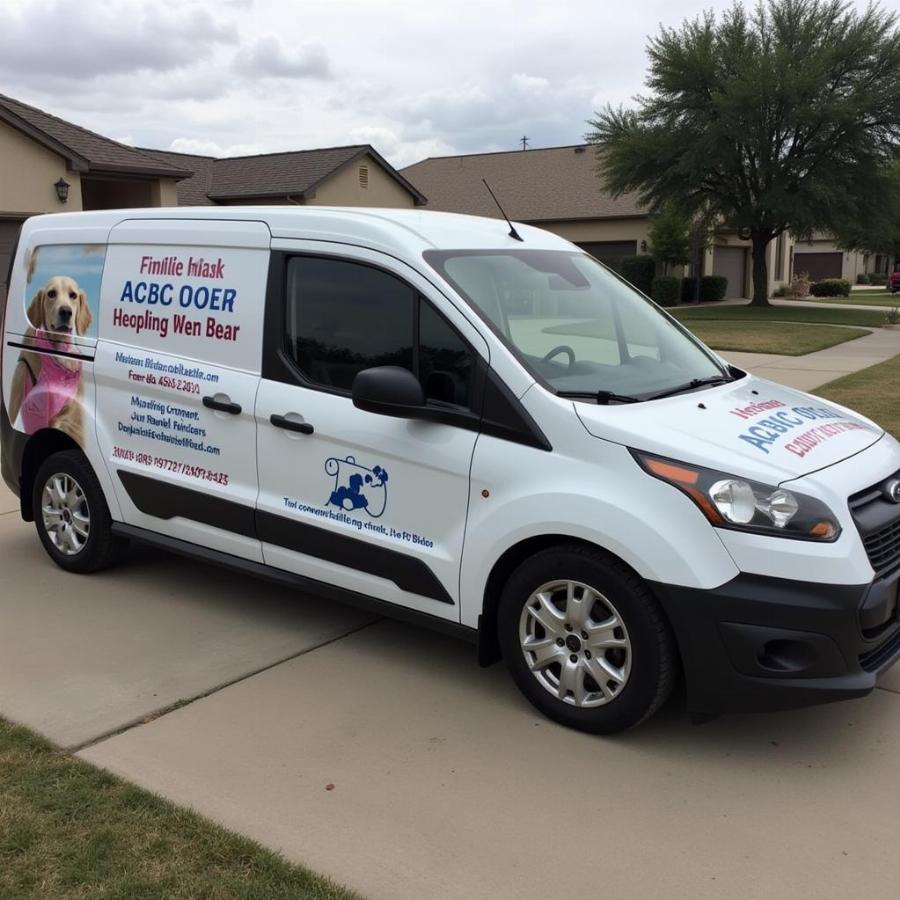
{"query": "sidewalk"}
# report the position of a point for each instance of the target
(809, 372)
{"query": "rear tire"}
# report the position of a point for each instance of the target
(71, 515)
(585, 640)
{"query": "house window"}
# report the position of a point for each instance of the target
(364, 177)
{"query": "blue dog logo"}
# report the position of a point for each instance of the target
(356, 487)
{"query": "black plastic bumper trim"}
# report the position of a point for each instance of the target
(760, 643)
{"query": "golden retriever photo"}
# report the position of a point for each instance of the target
(47, 390)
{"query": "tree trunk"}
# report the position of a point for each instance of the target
(760, 241)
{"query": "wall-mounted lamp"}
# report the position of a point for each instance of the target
(643, 246)
(62, 190)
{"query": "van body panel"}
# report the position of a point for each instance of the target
(178, 365)
(752, 427)
(587, 489)
(403, 541)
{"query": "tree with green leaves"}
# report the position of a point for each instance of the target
(879, 230)
(782, 118)
(670, 237)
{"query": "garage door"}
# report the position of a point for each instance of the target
(731, 262)
(9, 231)
(819, 265)
(610, 252)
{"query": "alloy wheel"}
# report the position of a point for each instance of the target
(65, 514)
(575, 643)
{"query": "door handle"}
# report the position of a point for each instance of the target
(225, 405)
(290, 425)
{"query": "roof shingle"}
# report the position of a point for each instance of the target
(90, 151)
(272, 174)
(553, 184)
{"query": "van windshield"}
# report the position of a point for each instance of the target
(576, 326)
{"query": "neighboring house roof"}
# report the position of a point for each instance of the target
(295, 173)
(194, 190)
(83, 150)
(550, 185)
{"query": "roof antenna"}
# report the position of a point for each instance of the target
(512, 228)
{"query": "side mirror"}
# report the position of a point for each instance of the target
(389, 391)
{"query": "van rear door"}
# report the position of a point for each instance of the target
(177, 370)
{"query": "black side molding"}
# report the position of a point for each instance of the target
(299, 582)
(166, 501)
(408, 572)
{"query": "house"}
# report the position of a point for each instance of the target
(557, 188)
(334, 176)
(50, 165)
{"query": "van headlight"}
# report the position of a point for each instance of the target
(744, 505)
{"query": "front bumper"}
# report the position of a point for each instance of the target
(759, 643)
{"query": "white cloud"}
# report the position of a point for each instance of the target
(529, 84)
(61, 42)
(211, 148)
(267, 57)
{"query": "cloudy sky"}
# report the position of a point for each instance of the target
(414, 78)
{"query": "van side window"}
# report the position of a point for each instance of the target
(445, 360)
(343, 317)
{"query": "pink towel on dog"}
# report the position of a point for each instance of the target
(55, 387)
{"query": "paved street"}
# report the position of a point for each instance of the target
(245, 701)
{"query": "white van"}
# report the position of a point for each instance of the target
(489, 433)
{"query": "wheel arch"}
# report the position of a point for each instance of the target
(41, 445)
(488, 641)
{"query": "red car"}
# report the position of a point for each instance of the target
(894, 282)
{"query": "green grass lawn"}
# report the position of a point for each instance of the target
(872, 392)
(745, 313)
(771, 337)
(69, 830)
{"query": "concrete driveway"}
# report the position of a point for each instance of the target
(445, 783)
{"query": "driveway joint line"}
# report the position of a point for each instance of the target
(879, 687)
(152, 716)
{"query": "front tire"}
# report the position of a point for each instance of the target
(585, 640)
(71, 515)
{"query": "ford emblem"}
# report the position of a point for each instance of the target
(892, 490)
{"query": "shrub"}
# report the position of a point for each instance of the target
(862, 278)
(799, 286)
(666, 290)
(639, 270)
(713, 287)
(780, 291)
(688, 289)
(831, 287)
(892, 316)
(878, 278)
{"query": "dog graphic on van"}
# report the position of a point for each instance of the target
(47, 389)
(357, 487)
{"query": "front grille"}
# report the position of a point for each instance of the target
(873, 660)
(878, 522)
(883, 548)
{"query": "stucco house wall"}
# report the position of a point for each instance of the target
(343, 188)
(28, 173)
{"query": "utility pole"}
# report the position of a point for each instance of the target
(524, 140)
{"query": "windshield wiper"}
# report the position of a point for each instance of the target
(690, 385)
(604, 398)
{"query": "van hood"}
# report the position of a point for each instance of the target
(752, 428)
